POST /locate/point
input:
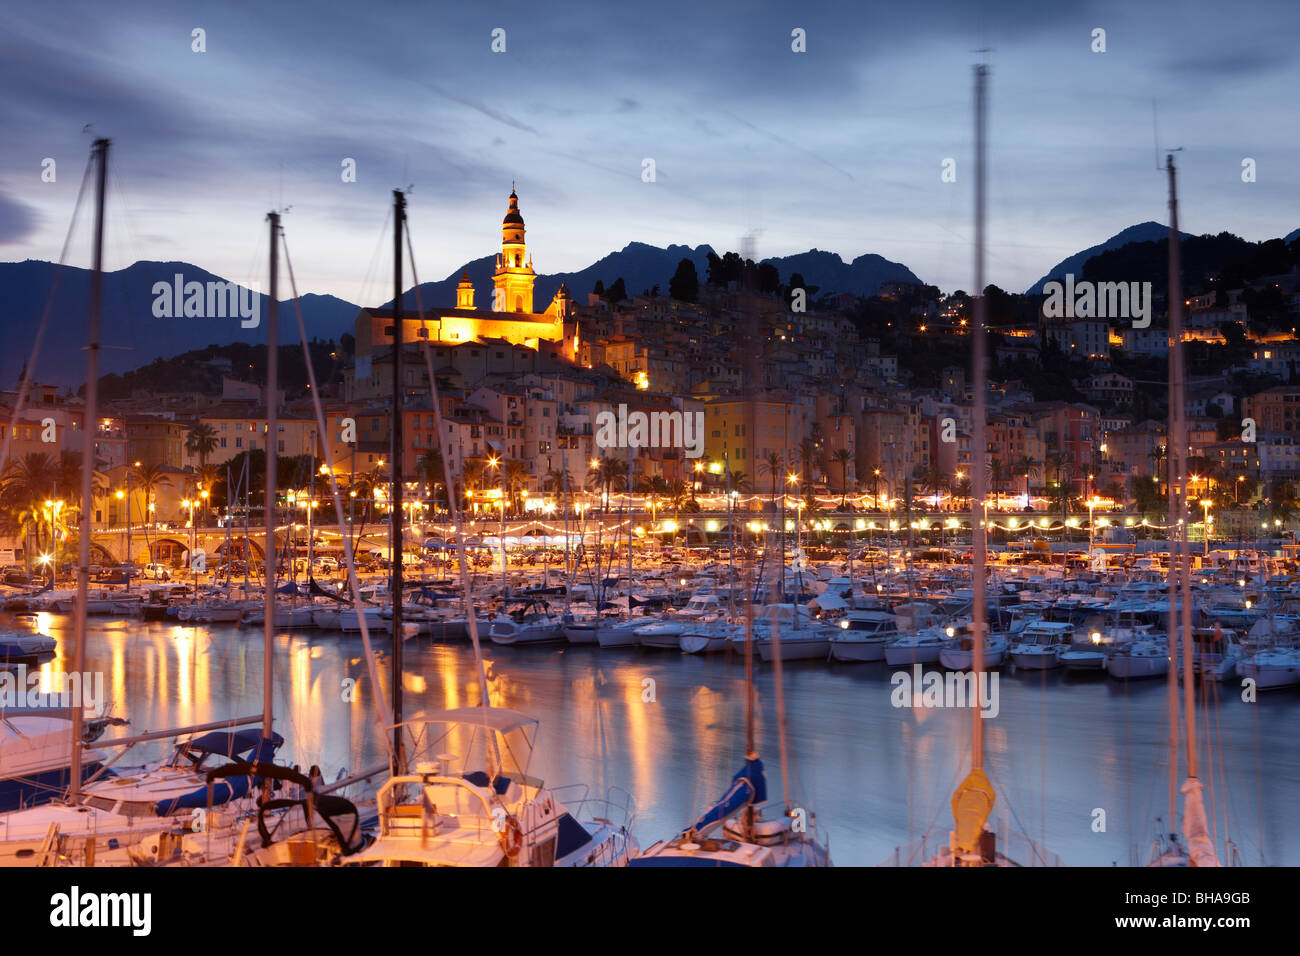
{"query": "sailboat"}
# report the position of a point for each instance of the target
(971, 842)
(1198, 848)
(747, 838)
(460, 790)
(102, 817)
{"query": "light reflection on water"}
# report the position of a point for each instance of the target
(875, 776)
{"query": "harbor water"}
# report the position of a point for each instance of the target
(1080, 764)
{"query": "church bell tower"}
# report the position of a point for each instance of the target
(514, 276)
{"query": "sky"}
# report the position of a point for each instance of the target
(839, 148)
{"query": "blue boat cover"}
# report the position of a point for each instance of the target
(572, 836)
(747, 786)
(681, 861)
(480, 779)
(224, 791)
(235, 743)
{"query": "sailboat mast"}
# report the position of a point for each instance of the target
(979, 442)
(271, 555)
(100, 151)
(395, 456)
(1177, 407)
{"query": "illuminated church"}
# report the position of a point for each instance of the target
(509, 313)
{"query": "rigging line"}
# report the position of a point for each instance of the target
(369, 278)
(23, 388)
(453, 510)
(353, 585)
(1223, 775)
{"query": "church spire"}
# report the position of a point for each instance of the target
(513, 278)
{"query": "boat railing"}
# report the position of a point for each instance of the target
(617, 807)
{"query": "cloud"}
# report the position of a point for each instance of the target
(17, 220)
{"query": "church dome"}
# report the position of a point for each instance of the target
(512, 216)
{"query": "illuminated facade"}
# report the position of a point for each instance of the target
(509, 314)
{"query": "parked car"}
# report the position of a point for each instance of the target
(157, 572)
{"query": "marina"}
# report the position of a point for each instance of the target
(507, 481)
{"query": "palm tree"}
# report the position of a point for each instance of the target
(933, 480)
(962, 490)
(773, 466)
(997, 475)
(472, 473)
(430, 469)
(150, 478)
(557, 479)
(514, 474)
(201, 440)
(609, 475)
(26, 485)
(739, 481)
(842, 457)
(811, 455)
(1059, 464)
(1026, 466)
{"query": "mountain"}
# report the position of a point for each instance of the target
(644, 266)
(131, 334)
(1291, 236)
(1142, 232)
(831, 274)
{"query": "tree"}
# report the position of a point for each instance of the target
(774, 468)
(1025, 465)
(557, 479)
(432, 473)
(933, 480)
(842, 457)
(617, 292)
(150, 478)
(201, 441)
(685, 283)
(514, 476)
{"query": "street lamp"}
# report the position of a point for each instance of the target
(1205, 503)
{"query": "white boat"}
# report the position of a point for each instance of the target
(1215, 652)
(748, 839)
(285, 616)
(451, 812)
(923, 647)
(350, 619)
(1271, 668)
(863, 635)
(958, 653)
(582, 629)
(214, 611)
(1134, 660)
(36, 757)
(1087, 655)
(526, 626)
(802, 637)
(701, 606)
(661, 635)
(1038, 646)
(709, 637)
(619, 634)
(25, 644)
